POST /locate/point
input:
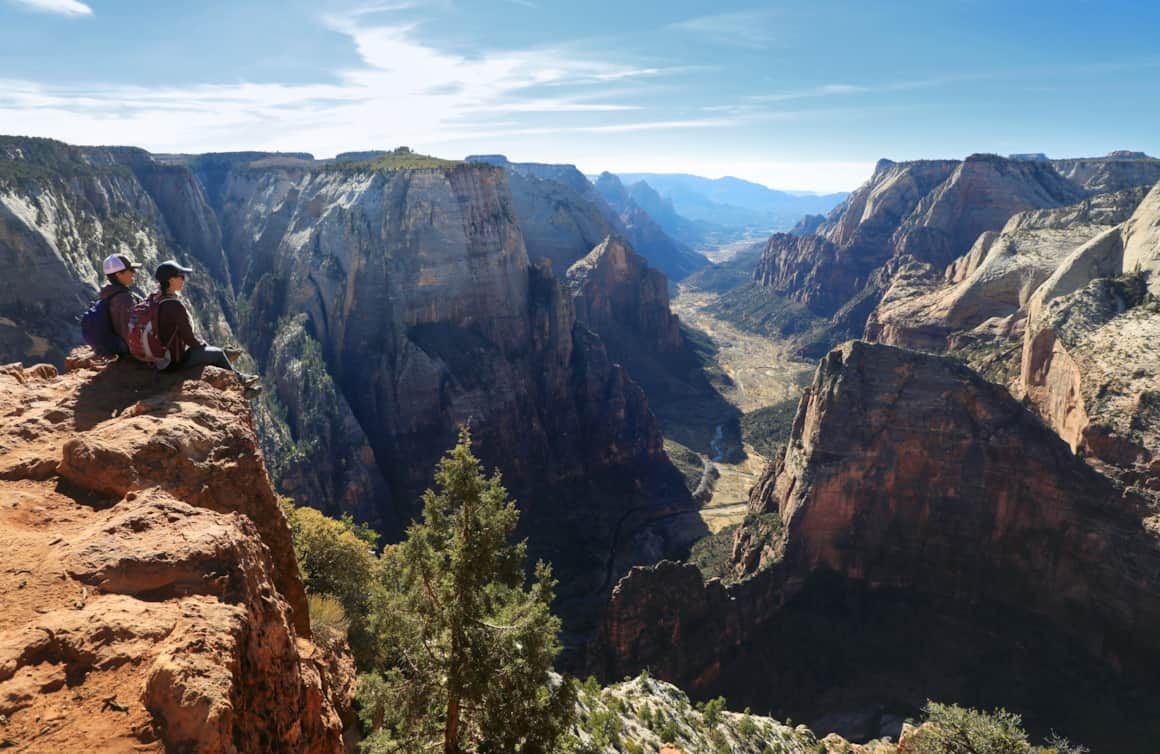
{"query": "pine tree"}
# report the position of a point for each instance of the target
(468, 647)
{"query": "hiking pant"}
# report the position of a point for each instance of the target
(206, 356)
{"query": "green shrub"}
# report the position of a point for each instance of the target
(326, 614)
(336, 560)
(950, 729)
(711, 712)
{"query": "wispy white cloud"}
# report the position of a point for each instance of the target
(837, 90)
(752, 29)
(60, 7)
(405, 92)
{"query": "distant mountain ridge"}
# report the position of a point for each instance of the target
(733, 201)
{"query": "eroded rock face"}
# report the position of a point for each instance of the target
(909, 486)
(675, 259)
(418, 288)
(991, 223)
(907, 470)
(385, 308)
(1116, 171)
(929, 210)
(154, 601)
(614, 291)
(924, 307)
(560, 214)
(1090, 354)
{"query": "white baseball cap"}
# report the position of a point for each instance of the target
(116, 263)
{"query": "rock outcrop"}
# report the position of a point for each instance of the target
(614, 291)
(559, 213)
(152, 598)
(930, 521)
(947, 215)
(926, 306)
(674, 258)
(417, 286)
(1114, 172)
(1090, 354)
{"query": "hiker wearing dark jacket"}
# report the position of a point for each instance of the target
(120, 271)
(175, 329)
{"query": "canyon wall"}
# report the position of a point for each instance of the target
(929, 525)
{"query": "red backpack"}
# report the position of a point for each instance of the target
(144, 338)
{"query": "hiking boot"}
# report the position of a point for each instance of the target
(233, 353)
(249, 379)
(252, 391)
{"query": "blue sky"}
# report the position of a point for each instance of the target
(796, 95)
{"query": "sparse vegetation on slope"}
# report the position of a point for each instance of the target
(644, 714)
(401, 158)
(768, 428)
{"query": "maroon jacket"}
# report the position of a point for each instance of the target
(174, 328)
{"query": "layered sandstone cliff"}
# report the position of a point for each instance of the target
(384, 307)
(929, 518)
(152, 599)
(417, 286)
(1090, 353)
(615, 291)
(563, 216)
(1114, 172)
(672, 257)
(933, 213)
(995, 280)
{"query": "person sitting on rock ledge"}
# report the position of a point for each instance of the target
(120, 271)
(175, 329)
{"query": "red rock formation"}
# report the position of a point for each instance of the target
(905, 474)
(615, 292)
(152, 599)
(931, 211)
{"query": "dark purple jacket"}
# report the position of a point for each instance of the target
(119, 307)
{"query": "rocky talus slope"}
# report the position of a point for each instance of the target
(930, 525)
(151, 597)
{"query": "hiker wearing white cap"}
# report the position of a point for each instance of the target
(120, 271)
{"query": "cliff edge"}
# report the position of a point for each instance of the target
(152, 600)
